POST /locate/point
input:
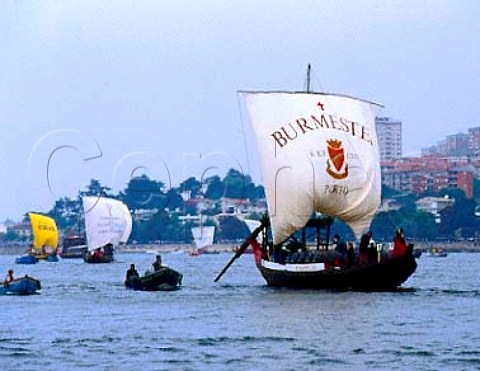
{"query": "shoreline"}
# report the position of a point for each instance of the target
(143, 248)
(223, 248)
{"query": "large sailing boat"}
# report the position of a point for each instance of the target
(319, 156)
(108, 222)
(45, 240)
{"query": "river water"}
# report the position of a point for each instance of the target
(85, 318)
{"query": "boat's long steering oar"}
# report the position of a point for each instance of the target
(241, 250)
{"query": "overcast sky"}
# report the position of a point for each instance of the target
(93, 89)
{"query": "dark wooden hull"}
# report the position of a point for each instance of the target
(92, 259)
(73, 255)
(165, 279)
(384, 276)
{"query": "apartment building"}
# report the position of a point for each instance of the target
(389, 135)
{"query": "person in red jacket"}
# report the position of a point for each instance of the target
(399, 243)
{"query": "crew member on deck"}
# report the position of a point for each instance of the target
(98, 253)
(372, 252)
(350, 254)
(9, 277)
(399, 243)
(340, 245)
(108, 249)
(131, 274)
(157, 264)
(340, 250)
(364, 243)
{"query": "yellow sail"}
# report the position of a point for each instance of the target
(44, 231)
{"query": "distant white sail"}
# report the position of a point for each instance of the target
(128, 225)
(203, 236)
(106, 221)
(252, 225)
(318, 152)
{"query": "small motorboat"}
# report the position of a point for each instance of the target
(195, 252)
(164, 279)
(21, 286)
(34, 258)
(26, 259)
(436, 252)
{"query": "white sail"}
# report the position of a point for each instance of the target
(318, 152)
(203, 236)
(127, 231)
(252, 225)
(106, 221)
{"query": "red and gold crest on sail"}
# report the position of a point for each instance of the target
(337, 158)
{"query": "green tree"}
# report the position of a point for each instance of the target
(174, 200)
(161, 227)
(388, 192)
(144, 193)
(458, 218)
(476, 188)
(191, 185)
(231, 228)
(239, 185)
(95, 188)
(416, 224)
(67, 213)
(236, 183)
(215, 189)
(11, 235)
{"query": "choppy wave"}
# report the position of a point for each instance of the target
(449, 292)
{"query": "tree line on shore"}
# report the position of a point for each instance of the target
(164, 207)
(168, 207)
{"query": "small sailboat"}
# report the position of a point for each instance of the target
(436, 252)
(108, 222)
(45, 240)
(202, 238)
(319, 156)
